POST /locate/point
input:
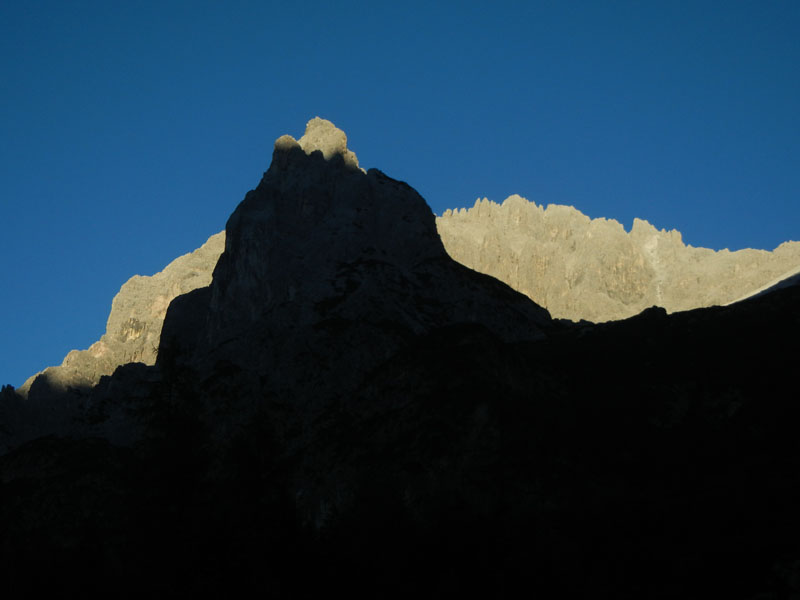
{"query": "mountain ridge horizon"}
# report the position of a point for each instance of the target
(344, 405)
(454, 227)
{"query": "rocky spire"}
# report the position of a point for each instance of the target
(324, 136)
(322, 252)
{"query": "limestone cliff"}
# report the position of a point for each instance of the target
(592, 269)
(134, 325)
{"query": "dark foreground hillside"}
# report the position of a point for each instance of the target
(394, 425)
(656, 457)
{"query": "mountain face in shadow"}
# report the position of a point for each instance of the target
(323, 258)
(345, 407)
(576, 267)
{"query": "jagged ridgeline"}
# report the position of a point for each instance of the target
(337, 404)
(133, 329)
(592, 269)
(576, 267)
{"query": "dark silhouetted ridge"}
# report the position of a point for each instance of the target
(345, 408)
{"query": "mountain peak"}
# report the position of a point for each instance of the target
(322, 254)
(344, 398)
(323, 136)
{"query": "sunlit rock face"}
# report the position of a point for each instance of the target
(592, 269)
(323, 254)
(134, 325)
(325, 137)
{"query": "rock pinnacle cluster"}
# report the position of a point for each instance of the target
(592, 269)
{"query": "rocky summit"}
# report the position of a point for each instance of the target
(322, 254)
(342, 406)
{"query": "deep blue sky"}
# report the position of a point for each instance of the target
(129, 131)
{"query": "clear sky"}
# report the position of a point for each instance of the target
(129, 131)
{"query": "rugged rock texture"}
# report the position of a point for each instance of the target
(322, 254)
(786, 280)
(134, 325)
(592, 269)
(344, 408)
(576, 267)
(324, 136)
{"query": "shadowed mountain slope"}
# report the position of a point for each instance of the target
(578, 268)
(322, 254)
(346, 408)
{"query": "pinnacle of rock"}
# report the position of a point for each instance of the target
(323, 136)
(318, 252)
